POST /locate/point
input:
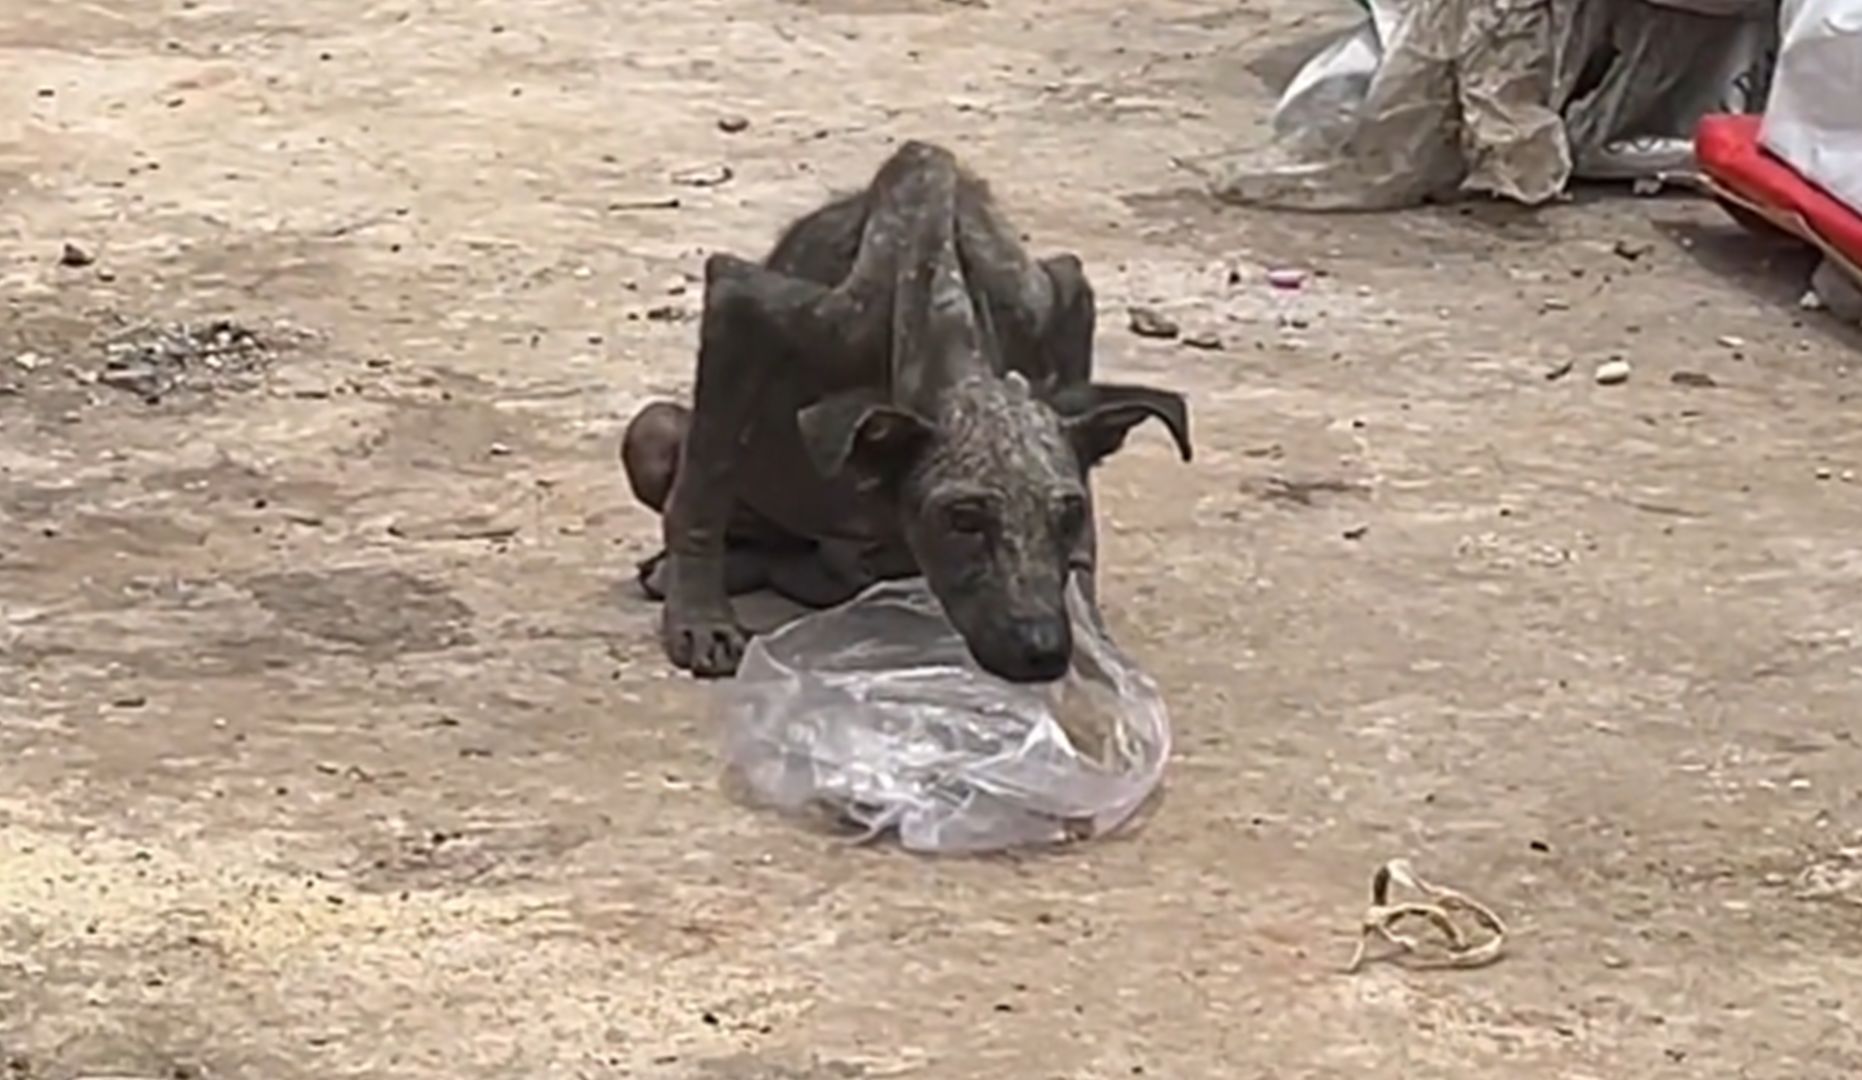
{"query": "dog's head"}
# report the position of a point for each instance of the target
(991, 492)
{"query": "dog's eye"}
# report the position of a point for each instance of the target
(967, 517)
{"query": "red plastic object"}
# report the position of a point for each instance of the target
(1742, 173)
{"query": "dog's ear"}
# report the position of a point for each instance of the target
(860, 430)
(1099, 415)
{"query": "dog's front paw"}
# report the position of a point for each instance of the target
(709, 645)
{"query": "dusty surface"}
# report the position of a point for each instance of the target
(334, 741)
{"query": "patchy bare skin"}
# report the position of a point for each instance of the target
(429, 803)
(892, 341)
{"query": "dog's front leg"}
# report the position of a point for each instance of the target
(754, 321)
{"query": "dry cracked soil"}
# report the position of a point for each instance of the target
(335, 742)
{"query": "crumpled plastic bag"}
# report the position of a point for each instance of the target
(1427, 99)
(874, 715)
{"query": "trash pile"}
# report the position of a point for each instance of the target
(156, 359)
(874, 717)
(1428, 99)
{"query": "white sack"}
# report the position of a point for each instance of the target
(1814, 119)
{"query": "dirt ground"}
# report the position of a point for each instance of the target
(335, 741)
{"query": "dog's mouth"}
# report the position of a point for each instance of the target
(1020, 660)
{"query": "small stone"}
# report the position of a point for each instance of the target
(1632, 249)
(1286, 278)
(1559, 372)
(1204, 339)
(1553, 303)
(28, 361)
(1695, 380)
(131, 701)
(498, 449)
(1824, 472)
(703, 176)
(1151, 323)
(1810, 301)
(1356, 532)
(75, 256)
(1732, 341)
(1615, 962)
(1612, 372)
(732, 123)
(137, 378)
(666, 313)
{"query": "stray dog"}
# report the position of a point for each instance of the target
(897, 389)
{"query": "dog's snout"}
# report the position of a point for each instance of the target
(1046, 647)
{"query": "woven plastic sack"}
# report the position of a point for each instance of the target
(875, 715)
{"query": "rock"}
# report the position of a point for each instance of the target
(28, 361)
(1631, 250)
(1559, 372)
(1824, 472)
(75, 256)
(1732, 341)
(1839, 293)
(1612, 372)
(732, 123)
(1286, 278)
(1697, 380)
(1204, 339)
(1151, 323)
(1356, 532)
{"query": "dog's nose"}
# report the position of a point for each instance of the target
(1046, 647)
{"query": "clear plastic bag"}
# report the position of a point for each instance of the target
(874, 714)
